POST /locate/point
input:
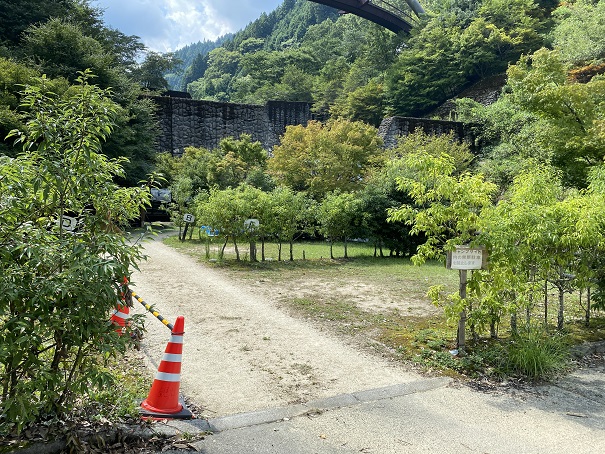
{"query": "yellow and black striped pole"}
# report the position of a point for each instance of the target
(152, 310)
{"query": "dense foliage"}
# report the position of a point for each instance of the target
(58, 39)
(63, 252)
(75, 133)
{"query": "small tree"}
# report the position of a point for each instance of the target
(446, 209)
(340, 217)
(226, 211)
(62, 253)
(323, 158)
(288, 216)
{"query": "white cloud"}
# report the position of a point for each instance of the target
(166, 25)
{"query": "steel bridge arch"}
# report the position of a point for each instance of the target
(379, 12)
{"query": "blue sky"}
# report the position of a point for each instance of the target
(168, 25)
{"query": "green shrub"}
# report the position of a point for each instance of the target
(59, 279)
(536, 355)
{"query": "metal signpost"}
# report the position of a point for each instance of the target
(465, 258)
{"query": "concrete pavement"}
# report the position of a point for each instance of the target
(436, 415)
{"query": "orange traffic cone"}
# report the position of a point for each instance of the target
(163, 399)
(120, 317)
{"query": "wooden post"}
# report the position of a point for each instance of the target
(185, 232)
(252, 251)
(461, 340)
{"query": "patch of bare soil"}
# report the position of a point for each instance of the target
(365, 295)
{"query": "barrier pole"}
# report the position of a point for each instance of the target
(155, 313)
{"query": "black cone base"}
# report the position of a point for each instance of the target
(185, 413)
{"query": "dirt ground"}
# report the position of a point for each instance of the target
(245, 351)
(242, 350)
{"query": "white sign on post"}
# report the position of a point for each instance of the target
(189, 218)
(466, 258)
(68, 223)
(251, 224)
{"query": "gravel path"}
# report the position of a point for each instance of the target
(241, 352)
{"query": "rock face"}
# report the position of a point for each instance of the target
(486, 92)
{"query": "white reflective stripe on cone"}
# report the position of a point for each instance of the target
(119, 314)
(176, 339)
(164, 376)
(172, 357)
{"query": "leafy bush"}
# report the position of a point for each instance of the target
(59, 284)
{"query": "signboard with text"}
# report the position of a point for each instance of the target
(467, 258)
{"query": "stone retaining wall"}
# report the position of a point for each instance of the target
(185, 122)
(394, 127)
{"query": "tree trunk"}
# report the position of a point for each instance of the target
(532, 279)
(331, 250)
(236, 249)
(561, 307)
(587, 319)
(142, 215)
(223, 248)
(492, 328)
(545, 303)
(279, 251)
(291, 250)
(346, 252)
(513, 317)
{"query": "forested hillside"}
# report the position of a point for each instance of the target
(349, 67)
(193, 61)
(60, 38)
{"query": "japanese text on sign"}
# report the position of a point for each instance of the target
(467, 259)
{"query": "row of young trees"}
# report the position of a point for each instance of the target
(333, 180)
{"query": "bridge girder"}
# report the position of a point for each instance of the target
(374, 13)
